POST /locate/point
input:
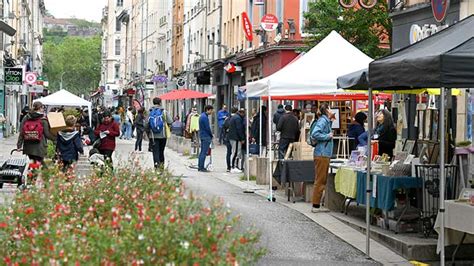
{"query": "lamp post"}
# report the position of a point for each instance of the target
(61, 84)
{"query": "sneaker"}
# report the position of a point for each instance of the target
(235, 171)
(228, 170)
(318, 210)
(203, 170)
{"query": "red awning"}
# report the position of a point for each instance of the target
(183, 94)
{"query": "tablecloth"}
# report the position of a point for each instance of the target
(458, 219)
(384, 189)
(294, 171)
(345, 182)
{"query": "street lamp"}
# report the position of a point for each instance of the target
(61, 84)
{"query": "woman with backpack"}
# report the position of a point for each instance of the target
(323, 136)
(34, 134)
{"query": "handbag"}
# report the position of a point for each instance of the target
(167, 130)
(254, 148)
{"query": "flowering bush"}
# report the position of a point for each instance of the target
(123, 218)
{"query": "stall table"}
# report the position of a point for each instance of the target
(458, 223)
(287, 172)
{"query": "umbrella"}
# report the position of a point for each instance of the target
(184, 94)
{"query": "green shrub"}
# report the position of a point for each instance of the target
(71, 111)
(51, 151)
(122, 218)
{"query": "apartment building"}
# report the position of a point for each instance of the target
(21, 47)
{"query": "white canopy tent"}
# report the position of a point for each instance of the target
(316, 72)
(65, 98)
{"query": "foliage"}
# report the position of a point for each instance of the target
(129, 217)
(363, 28)
(71, 111)
(82, 23)
(51, 150)
(79, 58)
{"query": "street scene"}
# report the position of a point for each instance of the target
(237, 132)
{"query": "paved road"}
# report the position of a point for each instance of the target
(289, 237)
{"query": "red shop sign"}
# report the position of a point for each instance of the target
(247, 26)
(269, 22)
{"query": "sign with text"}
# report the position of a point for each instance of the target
(269, 22)
(247, 26)
(259, 2)
(13, 76)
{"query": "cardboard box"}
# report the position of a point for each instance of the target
(56, 122)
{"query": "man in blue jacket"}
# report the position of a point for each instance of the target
(221, 116)
(205, 134)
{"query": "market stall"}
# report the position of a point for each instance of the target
(444, 60)
(312, 75)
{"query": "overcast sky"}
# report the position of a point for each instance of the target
(84, 9)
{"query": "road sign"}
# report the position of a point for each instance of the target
(269, 22)
(181, 82)
(440, 9)
(30, 78)
(247, 26)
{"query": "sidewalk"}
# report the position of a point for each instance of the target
(350, 235)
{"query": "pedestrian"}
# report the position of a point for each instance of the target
(123, 127)
(385, 133)
(288, 125)
(322, 154)
(34, 134)
(107, 131)
(156, 128)
(356, 128)
(177, 127)
(140, 129)
(255, 128)
(205, 135)
(278, 114)
(221, 116)
(24, 112)
(236, 137)
(128, 123)
(69, 143)
(227, 142)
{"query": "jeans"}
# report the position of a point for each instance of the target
(138, 143)
(221, 135)
(237, 153)
(128, 130)
(205, 144)
(283, 147)
(107, 156)
(229, 154)
(158, 149)
(123, 129)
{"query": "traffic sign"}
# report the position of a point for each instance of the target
(269, 22)
(30, 78)
(181, 82)
(440, 9)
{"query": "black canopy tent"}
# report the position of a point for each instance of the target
(357, 80)
(443, 60)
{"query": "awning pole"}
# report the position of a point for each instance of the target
(247, 133)
(442, 174)
(270, 154)
(367, 179)
(260, 129)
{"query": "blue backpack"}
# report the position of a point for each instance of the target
(155, 121)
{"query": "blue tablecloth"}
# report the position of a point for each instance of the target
(385, 189)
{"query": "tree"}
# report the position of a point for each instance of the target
(365, 29)
(80, 60)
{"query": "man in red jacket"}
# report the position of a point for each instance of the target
(107, 131)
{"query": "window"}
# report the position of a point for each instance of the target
(117, 71)
(119, 3)
(117, 47)
(118, 25)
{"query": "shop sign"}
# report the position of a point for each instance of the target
(13, 76)
(247, 26)
(418, 33)
(440, 9)
(259, 2)
(269, 22)
(36, 89)
(253, 72)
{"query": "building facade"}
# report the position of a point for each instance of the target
(21, 47)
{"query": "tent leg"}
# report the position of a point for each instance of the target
(369, 165)
(247, 153)
(442, 174)
(270, 156)
(260, 128)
